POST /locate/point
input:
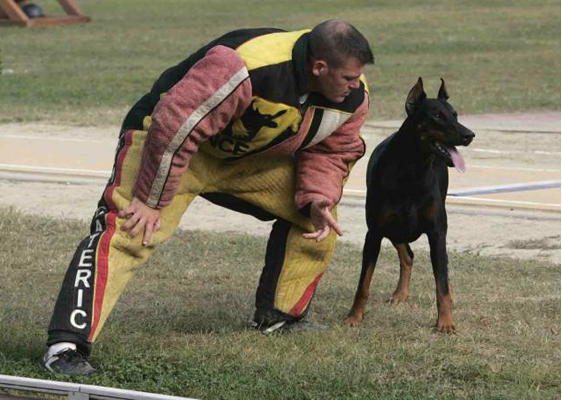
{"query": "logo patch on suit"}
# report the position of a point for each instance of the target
(262, 122)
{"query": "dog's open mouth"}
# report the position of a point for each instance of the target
(451, 154)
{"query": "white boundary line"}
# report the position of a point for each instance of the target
(79, 391)
(79, 173)
(504, 203)
(513, 187)
(494, 151)
(470, 201)
(478, 201)
(461, 193)
(53, 170)
(476, 166)
(58, 139)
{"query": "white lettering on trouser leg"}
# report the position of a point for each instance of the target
(86, 256)
(81, 280)
(82, 275)
(80, 295)
(73, 319)
(92, 237)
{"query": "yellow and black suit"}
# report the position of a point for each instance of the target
(233, 123)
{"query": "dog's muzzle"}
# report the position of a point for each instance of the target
(466, 136)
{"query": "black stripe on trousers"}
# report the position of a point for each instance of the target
(72, 317)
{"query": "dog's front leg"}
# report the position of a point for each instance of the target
(438, 251)
(406, 257)
(371, 250)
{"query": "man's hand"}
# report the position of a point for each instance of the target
(323, 222)
(140, 217)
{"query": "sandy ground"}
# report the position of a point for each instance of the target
(501, 231)
(478, 230)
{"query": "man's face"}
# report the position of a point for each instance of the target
(335, 83)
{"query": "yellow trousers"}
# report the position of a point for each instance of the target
(106, 260)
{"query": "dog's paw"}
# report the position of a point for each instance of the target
(352, 321)
(447, 327)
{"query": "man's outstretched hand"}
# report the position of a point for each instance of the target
(140, 217)
(323, 222)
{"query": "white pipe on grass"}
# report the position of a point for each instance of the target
(79, 391)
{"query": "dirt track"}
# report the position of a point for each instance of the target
(507, 231)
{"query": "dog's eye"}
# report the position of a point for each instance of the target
(439, 115)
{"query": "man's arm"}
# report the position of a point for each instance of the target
(323, 222)
(216, 89)
(213, 92)
(323, 168)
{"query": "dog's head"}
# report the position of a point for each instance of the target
(436, 124)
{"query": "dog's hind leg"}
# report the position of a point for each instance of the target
(371, 250)
(438, 252)
(406, 257)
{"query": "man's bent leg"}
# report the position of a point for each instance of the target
(293, 269)
(294, 265)
(106, 260)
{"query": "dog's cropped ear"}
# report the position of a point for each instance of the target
(443, 91)
(415, 96)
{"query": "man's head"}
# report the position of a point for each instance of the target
(338, 54)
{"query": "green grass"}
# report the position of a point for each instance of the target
(496, 56)
(181, 326)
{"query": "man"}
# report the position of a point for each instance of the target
(261, 121)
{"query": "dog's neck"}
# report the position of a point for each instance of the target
(409, 152)
(409, 134)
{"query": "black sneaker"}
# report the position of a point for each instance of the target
(287, 327)
(266, 329)
(68, 362)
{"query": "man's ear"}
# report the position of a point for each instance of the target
(319, 67)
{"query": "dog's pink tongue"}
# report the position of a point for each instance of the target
(458, 161)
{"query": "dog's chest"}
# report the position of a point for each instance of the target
(403, 217)
(405, 199)
(401, 224)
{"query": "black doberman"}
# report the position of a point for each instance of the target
(407, 180)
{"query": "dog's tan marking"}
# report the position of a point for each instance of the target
(445, 322)
(431, 211)
(401, 293)
(357, 311)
